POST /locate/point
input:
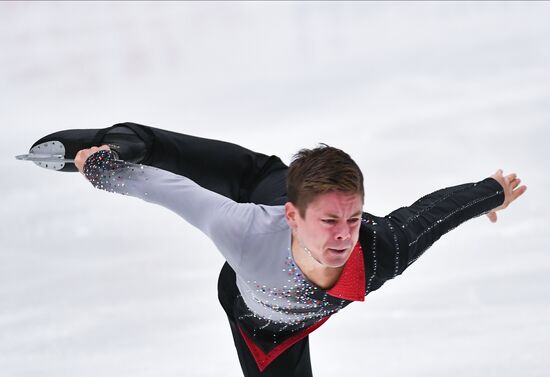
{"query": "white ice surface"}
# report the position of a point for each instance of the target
(422, 95)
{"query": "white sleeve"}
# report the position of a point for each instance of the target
(223, 220)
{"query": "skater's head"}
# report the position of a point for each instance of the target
(325, 203)
(322, 170)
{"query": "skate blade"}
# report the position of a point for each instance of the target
(43, 157)
(48, 155)
(51, 155)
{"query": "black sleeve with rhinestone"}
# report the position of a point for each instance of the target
(413, 229)
(430, 217)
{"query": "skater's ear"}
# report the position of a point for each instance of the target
(291, 214)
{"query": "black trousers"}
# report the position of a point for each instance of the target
(244, 176)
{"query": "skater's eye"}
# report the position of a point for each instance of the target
(334, 221)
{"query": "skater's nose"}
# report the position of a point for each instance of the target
(342, 231)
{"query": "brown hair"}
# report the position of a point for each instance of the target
(320, 170)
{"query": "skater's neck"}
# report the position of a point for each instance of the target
(324, 277)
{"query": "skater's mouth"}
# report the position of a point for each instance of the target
(339, 251)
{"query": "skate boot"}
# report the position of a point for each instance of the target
(58, 150)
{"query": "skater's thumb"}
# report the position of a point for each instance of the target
(492, 216)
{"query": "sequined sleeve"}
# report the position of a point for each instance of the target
(409, 231)
(224, 221)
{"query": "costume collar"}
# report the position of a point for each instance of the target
(351, 284)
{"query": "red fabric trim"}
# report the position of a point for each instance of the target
(264, 359)
(351, 284)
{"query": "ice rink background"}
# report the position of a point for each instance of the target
(422, 95)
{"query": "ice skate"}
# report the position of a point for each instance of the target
(57, 151)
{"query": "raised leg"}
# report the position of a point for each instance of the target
(226, 168)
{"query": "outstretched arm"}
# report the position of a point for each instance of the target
(223, 220)
(404, 234)
(433, 215)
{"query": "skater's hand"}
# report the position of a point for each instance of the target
(511, 191)
(83, 154)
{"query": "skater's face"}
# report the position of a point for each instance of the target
(330, 227)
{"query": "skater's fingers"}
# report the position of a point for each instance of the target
(510, 177)
(83, 154)
(104, 147)
(500, 179)
(81, 157)
(518, 192)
